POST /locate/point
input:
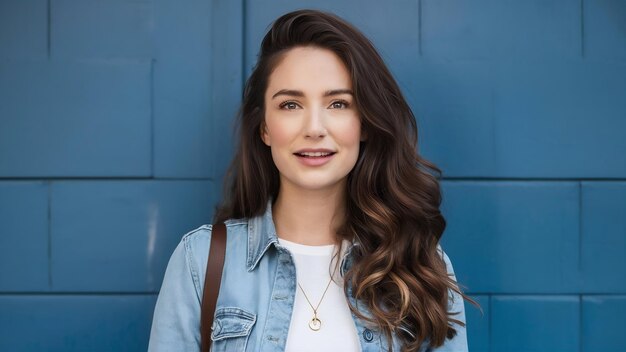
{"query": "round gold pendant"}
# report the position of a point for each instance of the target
(315, 324)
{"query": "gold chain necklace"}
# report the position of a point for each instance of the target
(315, 324)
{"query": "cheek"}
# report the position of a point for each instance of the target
(349, 134)
(281, 133)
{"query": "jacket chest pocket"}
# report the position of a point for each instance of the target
(231, 329)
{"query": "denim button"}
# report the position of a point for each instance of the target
(368, 335)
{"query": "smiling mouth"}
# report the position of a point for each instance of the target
(314, 155)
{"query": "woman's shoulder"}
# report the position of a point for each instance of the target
(446, 259)
(201, 236)
(193, 248)
(197, 242)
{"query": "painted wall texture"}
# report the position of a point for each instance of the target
(116, 128)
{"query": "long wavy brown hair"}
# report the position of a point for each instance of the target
(392, 194)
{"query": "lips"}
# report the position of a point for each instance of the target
(314, 152)
(314, 157)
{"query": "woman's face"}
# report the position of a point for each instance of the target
(311, 123)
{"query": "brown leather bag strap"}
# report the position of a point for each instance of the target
(212, 280)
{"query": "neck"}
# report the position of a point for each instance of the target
(309, 217)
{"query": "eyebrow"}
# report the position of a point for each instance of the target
(299, 93)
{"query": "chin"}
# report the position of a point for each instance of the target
(313, 185)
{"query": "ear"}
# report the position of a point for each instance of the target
(265, 137)
(363, 135)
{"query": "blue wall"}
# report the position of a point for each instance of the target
(115, 122)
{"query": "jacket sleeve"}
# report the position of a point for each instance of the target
(176, 319)
(455, 305)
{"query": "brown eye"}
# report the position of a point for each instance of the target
(340, 104)
(290, 105)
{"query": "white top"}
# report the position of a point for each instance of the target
(337, 331)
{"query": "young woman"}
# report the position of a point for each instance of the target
(332, 217)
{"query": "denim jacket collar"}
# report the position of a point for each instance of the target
(262, 234)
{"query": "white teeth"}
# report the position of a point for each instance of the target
(314, 154)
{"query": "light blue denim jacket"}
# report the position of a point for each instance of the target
(256, 296)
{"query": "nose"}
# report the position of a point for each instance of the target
(314, 125)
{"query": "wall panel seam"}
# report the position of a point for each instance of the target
(49, 231)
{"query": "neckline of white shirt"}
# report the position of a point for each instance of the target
(298, 248)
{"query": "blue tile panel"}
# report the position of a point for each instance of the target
(503, 30)
(118, 235)
(521, 119)
(73, 119)
(102, 29)
(513, 236)
(227, 74)
(478, 324)
(535, 323)
(453, 105)
(605, 29)
(543, 121)
(603, 245)
(23, 236)
(75, 323)
(24, 29)
(183, 132)
(602, 323)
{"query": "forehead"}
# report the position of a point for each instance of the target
(309, 69)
